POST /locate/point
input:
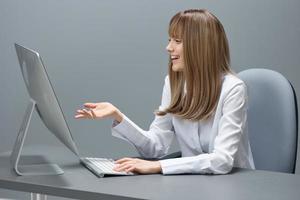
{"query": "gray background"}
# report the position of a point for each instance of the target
(115, 51)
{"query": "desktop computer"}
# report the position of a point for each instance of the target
(44, 101)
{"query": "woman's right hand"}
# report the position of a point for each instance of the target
(100, 110)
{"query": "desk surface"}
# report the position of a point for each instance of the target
(77, 182)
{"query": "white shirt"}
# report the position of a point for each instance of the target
(226, 132)
(204, 131)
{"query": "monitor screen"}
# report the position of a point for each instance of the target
(41, 92)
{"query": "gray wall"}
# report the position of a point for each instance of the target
(115, 51)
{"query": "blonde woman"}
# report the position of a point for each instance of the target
(203, 106)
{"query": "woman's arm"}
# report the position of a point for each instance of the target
(155, 142)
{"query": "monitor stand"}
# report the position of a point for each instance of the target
(36, 169)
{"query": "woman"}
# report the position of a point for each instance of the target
(203, 105)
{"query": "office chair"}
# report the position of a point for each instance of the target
(272, 120)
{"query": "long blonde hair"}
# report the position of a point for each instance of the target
(206, 60)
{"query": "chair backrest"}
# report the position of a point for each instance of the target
(272, 120)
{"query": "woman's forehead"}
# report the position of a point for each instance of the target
(175, 31)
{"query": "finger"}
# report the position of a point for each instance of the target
(119, 166)
(80, 116)
(93, 114)
(79, 111)
(123, 168)
(87, 113)
(90, 105)
(122, 160)
(130, 169)
(129, 162)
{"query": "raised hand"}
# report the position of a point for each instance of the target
(100, 110)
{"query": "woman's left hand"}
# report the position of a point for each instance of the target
(136, 165)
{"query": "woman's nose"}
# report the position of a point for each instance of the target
(169, 48)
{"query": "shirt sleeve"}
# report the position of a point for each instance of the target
(155, 142)
(230, 129)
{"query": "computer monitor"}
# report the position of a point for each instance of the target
(44, 101)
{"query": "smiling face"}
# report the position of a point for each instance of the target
(175, 49)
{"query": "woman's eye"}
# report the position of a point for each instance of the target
(178, 41)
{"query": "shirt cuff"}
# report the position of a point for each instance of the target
(184, 165)
(170, 166)
(115, 123)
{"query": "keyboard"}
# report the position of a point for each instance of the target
(101, 166)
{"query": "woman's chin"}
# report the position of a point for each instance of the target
(177, 68)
